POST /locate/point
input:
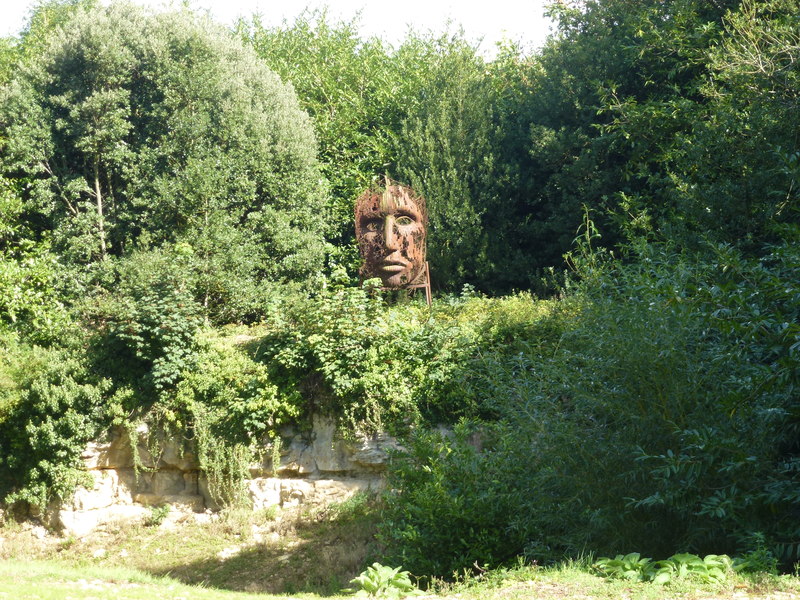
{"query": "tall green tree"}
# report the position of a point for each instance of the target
(29, 273)
(650, 57)
(357, 94)
(445, 151)
(738, 169)
(135, 130)
(422, 112)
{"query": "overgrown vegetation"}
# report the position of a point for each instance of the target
(176, 251)
(662, 403)
(247, 554)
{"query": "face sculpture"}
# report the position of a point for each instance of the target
(390, 229)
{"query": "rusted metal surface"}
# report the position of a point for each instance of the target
(391, 225)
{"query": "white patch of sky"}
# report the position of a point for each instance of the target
(492, 21)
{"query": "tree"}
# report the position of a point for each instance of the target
(608, 100)
(421, 112)
(445, 151)
(739, 169)
(132, 130)
(29, 272)
(357, 95)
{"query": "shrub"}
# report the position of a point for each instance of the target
(448, 505)
(146, 328)
(49, 411)
(374, 365)
(233, 411)
(340, 350)
(664, 417)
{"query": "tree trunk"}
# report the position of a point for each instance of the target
(100, 218)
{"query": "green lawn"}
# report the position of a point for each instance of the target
(58, 580)
(54, 580)
(289, 554)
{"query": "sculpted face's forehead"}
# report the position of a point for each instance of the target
(398, 203)
(393, 200)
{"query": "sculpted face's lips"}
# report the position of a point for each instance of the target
(393, 266)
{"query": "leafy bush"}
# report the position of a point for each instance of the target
(448, 504)
(147, 327)
(710, 569)
(741, 464)
(664, 416)
(50, 408)
(372, 365)
(232, 410)
(337, 349)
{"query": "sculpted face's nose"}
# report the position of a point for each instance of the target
(390, 238)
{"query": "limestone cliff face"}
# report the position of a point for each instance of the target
(316, 467)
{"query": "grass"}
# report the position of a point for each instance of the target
(58, 580)
(574, 579)
(54, 580)
(241, 555)
(239, 550)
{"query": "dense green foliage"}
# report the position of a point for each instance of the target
(50, 408)
(669, 399)
(125, 132)
(159, 184)
(434, 114)
(376, 368)
(355, 96)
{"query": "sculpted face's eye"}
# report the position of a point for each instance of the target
(372, 226)
(404, 220)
